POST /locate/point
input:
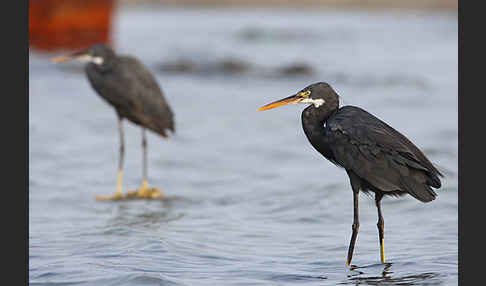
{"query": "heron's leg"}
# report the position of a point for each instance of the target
(118, 195)
(380, 225)
(144, 160)
(355, 227)
(145, 191)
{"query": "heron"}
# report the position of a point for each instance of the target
(129, 87)
(377, 158)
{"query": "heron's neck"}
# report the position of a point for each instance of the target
(313, 121)
(316, 117)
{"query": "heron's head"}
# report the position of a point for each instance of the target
(318, 94)
(97, 54)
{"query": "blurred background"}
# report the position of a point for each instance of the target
(249, 201)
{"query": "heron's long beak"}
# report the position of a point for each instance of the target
(288, 100)
(81, 55)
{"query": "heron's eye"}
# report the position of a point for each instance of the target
(305, 94)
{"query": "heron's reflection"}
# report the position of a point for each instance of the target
(360, 277)
(146, 213)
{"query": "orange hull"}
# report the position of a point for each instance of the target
(69, 24)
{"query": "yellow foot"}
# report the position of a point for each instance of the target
(118, 196)
(145, 193)
(382, 250)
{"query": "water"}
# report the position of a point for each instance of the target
(250, 202)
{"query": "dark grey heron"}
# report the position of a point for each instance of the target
(376, 157)
(127, 85)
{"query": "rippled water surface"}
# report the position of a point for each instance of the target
(249, 201)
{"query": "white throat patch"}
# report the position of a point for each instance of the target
(317, 102)
(95, 60)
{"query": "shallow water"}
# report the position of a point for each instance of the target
(249, 201)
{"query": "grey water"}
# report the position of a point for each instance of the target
(248, 200)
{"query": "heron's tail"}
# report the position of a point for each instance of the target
(421, 191)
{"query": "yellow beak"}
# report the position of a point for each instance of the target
(73, 56)
(288, 100)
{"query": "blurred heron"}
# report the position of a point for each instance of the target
(127, 85)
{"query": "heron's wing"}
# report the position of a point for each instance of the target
(152, 109)
(379, 154)
(113, 87)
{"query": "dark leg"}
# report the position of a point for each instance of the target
(380, 224)
(145, 158)
(118, 195)
(355, 227)
(122, 156)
